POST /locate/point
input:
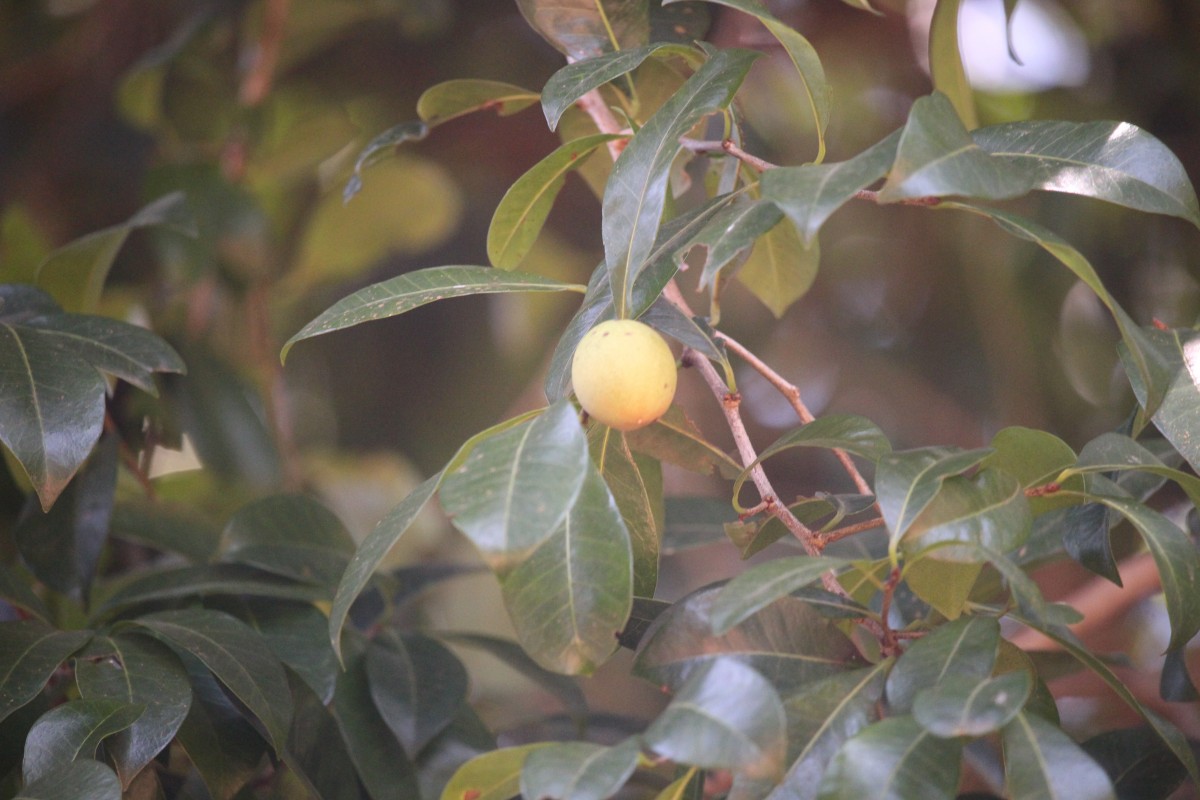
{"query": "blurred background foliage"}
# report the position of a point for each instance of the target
(939, 327)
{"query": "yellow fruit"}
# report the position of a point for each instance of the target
(624, 374)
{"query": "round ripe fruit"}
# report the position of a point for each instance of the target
(624, 374)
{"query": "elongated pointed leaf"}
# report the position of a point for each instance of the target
(114, 347)
(725, 716)
(781, 268)
(32, 652)
(290, 535)
(636, 486)
(417, 684)
(523, 210)
(578, 770)
(378, 147)
(636, 193)
(906, 482)
(449, 99)
(732, 231)
(969, 707)
(1112, 161)
(893, 758)
(811, 193)
(138, 672)
(297, 634)
(762, 585)
(414, 289)
(946, 63)
(72, 732)
(236, 656)
(89, 779)
(965, 648)
(1176, 384)
(491, 776)
(1040, 761)
(1115, 452)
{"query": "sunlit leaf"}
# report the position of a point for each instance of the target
(762, 585)
(72, 732)
(894, 758)
(578, 770)
(32, 652)
(449, 99)
(781, 268)
(968, 706)
(965, 648)
(946, 64)
(491, 776)
(1040, 761)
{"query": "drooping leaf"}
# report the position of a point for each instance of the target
(894, 758)
(522, 211)
(417, 684)
(762, 585)
(1112, 161)
(289, 535)
(906, 482)
(72, 732)
(139, 672)
(946, 64)
(571, 596)
(810, 194)
(962, 706)
(636, 485)
(235, 655)
(781, 268)
(636, 193)
(371, 552)
(491, 776)
(32, 652)
(936, 157)
(377, 149)
(965, 648)
(1175, 384)
(724, 716)
(578, 770)
(414, 289)
(1137, 762)
(515, 488)
(86, 778)
(692, 332)
(449, 99)
(1040, 761)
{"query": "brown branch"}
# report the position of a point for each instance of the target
(593, 104)
(256, 83)
(849, 530)
(730, 147)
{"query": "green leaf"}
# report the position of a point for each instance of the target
(219, 741)
(675, 439)
(375, 150)
(89, 779)
(810, 194)
(449, 99)
(289, 535)
(215, 579)
(636, 193)
(895, 759)
(1175, 384)
(417, 684)
(989, 509)
(316, 750)
(1115, 452)
(577, 79)
(636, 485)
(965, 648)
(578, 770)
(761, 585)
(572, 594)
(1034, 458)
(1112, 161)
(565, 689)
(139, 672)
(515, 488)
(1040, 761)
(821, 717)
(946, 64)
(1137, 761)
(734, 229)
(686, 787)
(945, 585)
(75, 273)
(788, 642)
(15, 590)
(906, 482)
(522, 211)
(414, 289)
(236, 655)
(296, 634)
(969, 707)
(936, 157)
(32, 652)
(491, 776)
(781, 268)
(72, 732)
(586, 28)
(724, 716)
(371, 552)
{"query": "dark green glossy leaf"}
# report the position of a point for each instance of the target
(515, 488)
(733, 230)
(72, 732)
(636, 194)
(963, 649)
(946, 64)
(449, 99)
(236, 655)
(781, 268)
(378, 148)
(414, 289)
(724, 716)
(89, 779)
(565, 689)
(16, 591)
(762, 585)
(417, 684)
(1175, 682)
(1040, 761)
(788, 642)
(811, 193)
(315, 748)
(821, 717)
(571, 596)
(523, 210)
(989, 509)
(936, 157)
(895, 759)
(636, 486)
(218, 739)
(490, 776)
(1137, 761)
(906, 482)
(297, 635)
(371, 552)
(578, 770)
(1113, 161)
(215, 579)
(693, 332)
(137, 671)
(1175, 385)
(289, 535)
(32, 652)
(969, 707)
(1115, 452)
(586, 28)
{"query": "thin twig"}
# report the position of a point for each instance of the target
(730, 147)
(256, 83)
(849, 530)
(593, 104)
